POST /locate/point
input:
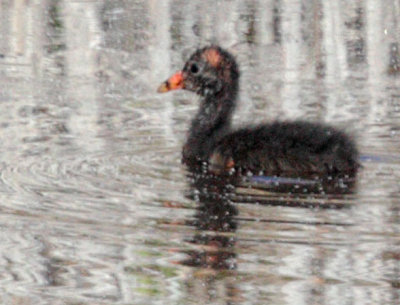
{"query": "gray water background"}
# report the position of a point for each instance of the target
(92, 193)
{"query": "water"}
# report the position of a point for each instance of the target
(95, 205)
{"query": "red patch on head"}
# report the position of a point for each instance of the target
(230, 163)
(213, 56)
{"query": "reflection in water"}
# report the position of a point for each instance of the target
(214, 240)
(216, 213)
(216, 222)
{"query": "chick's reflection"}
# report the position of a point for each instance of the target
(215, 222)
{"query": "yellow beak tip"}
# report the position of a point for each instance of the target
(162, 88)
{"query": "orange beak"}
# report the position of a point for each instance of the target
(173, 83)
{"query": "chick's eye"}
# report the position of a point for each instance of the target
(194, 68)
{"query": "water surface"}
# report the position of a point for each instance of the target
(95, 205)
